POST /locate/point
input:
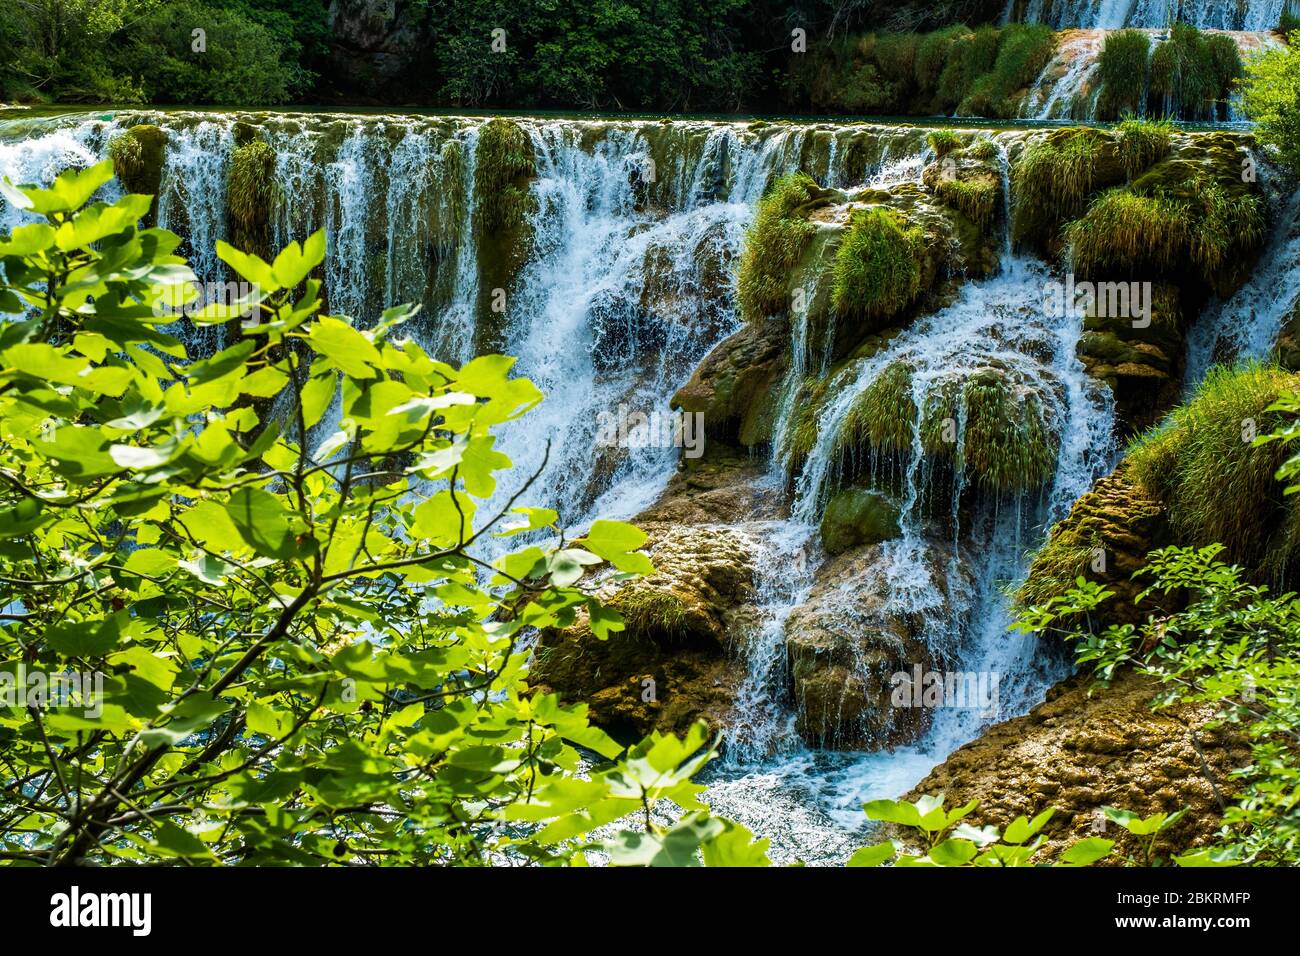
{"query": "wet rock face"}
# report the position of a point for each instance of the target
(375, 41)
(671, 664)
(845, 648)
(1105, 538)
(737, 386)
(855, 517)
(1083, 749)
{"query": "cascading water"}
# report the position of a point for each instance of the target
(1155, 14)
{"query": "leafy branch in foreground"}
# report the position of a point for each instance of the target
(247, 614)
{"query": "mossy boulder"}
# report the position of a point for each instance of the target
(858, 516)
(968, 181)
(1053, 179)
(776, 243)
(670, 665)
(737, 386)
(1105, 538)
(1086, 748)
(138, 154)
(845, 646)
(252, 196)
(505, 166)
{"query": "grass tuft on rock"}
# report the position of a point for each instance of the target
(877, 272)
(138, 153)
(943, 142)
(504, 163)
(1143, 142)
(1217, 485)
(1053, 179)
(1122, 68)
(774, 244)
(251, 197)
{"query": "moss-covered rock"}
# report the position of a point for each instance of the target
(252, 196)
(845, 645)
(775, 244)
(877, 268)
(138, 154)
(504, 168)
(670, 665)
(1084, 749)
(1105, 538)
(858, 516)
(737, 386)
(1216, 484)
(1054, 178)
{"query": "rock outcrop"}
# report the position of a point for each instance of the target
(1085, 748)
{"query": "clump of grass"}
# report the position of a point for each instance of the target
(137, 154)
(1052, 181)
(1143, 142)
(983, 149)
(882, 415)
(1122, 66)
(801, 434)
(1023, 53)
(660, 616)
(975, 199)
(1193, 72)
(447, 208)
(1179, 214)
(982, 424)
(877, 270)
(775, 243)
(1218, 486)
(943, 142)
(504, 162)
(970, 54)
(252, 194)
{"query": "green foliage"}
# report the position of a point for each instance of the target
(1231, 644)
(1143, 141)
(1180, 219)
(948, 841)
(242, 65)
(1122, 67)
(1192, 72)
(883, 415)
(251, 196)
(294, 651)
(1052, 180)
(1218, 486)
(774, 244)
(877, 270)
(943, 142)
(1271, 97)
(1023, 54)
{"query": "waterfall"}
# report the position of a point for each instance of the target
(1156, 14)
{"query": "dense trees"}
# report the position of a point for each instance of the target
(654, 55)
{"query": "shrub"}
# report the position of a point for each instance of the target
(301, 658)
(138, 154)
(1271, 99)
(1023, 54)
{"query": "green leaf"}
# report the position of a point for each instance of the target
(1086, 852)
(263, 521)
(735, 846)
(615, 541)
(893, 811)
(954, 852)
(344, 348)
(873, 855)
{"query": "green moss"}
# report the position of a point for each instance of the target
(1180, 215)
(983, 149)
(943, 142)
(1143, 142)
(877, 269)
(1122, 67)
(774, 244)
(1218, 486)
(1053, 179)
(803, 429)
(504, 165)
(251, 196)
(856, 517)
(660, 616)
(883, 414)
(975, 199)
(982, 424)
(138, 154)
